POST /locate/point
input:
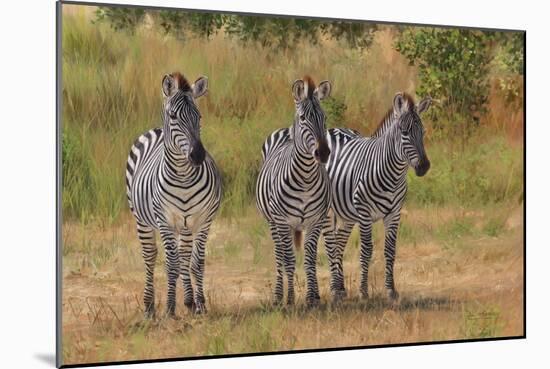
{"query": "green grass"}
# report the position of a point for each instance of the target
(495, 225)
(481, 321)
(486, 171)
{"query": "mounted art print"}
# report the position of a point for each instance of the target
(235, 184)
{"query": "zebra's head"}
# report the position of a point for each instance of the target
(181, 116)
(412, 131)
(310, 118)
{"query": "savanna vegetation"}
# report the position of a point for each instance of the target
(460, 248)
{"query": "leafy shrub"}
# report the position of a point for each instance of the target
(334, 108)
(510, 62)
(453, 67)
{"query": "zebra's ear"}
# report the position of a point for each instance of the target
(424, 105)
(200, 87)
(299, 90)
(399, 103)
(323, 90)
(168, 85)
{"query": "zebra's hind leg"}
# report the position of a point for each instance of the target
(365, 228)
(310, 266)
(146, 236)
(185, 247)
(172, 265)
(197, 268)
(279, 267)
(289, 258)
(391, 225)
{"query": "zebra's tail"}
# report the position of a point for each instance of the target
(298, 235)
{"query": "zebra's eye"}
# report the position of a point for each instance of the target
(172, 115)
(405, 133)
(302, 118)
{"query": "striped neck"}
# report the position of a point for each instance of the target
(303, 162)
(176, 164)
(392, 152)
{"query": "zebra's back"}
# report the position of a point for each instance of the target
(274, 141)
(360, 177)
(143, 161)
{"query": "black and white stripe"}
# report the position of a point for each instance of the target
(174, 186)
(292, 190)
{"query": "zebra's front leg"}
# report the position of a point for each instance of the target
(289, 258)
(146, 236)
(185, 247)
(391, 225)
(310, 266)
(197, 268)
(279, 261)
(172, 265)
(335, 244)
(365, 228)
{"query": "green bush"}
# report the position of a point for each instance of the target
(334, 108)
(453, 68)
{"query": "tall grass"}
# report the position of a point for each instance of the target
(111, 94)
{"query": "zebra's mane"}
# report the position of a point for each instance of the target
(181, 81)
(310, 85)
(388, 120)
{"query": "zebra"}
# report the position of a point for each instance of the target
(292, 189)
(368, 183)
(174, 186)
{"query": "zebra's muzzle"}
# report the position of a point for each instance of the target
(322, 152)
(197, 154)
(422, 168)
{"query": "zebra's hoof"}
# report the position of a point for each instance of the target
(172, 316)
(313, 302)
(339, 296)
(190, 305)
(393, 296)
(149, 313)
(149, 316)
(200, 308)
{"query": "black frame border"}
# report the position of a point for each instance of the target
(58, 210)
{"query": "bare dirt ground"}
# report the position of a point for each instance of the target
(459, 273)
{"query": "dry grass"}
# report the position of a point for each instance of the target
(465, 283)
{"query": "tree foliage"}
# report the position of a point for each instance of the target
(181, 23)
(453, 68)
(272, 32)
(120, 18)
(511, 51)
